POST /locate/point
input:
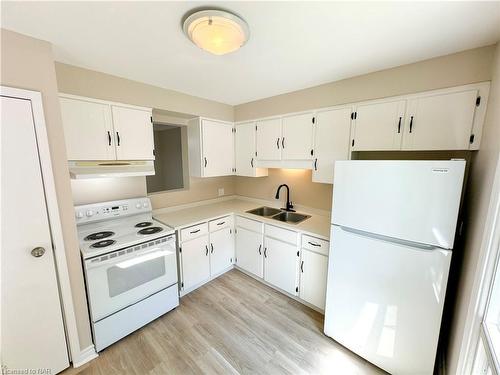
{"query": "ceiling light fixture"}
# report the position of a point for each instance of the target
(216, 31)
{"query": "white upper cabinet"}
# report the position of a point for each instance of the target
(297, 137)
(211, 148)
(378, 126)
(269, 139)
(440, 122)
(88, 130)
(133, 132)
(100, 130)
(331, 142)
(245, 151)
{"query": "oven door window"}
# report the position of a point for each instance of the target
(126, 276)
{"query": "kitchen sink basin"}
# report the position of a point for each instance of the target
(264, 211)
(291, 217)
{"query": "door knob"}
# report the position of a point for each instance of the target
(37, 252)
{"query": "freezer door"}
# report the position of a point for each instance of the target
(385, 300)
(411, 200)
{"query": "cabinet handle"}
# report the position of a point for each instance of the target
(118, 138)
(109, 138)
(411, 124)
(221, 223)
(265, 252)
(211, 248)
(251, 162)
(312, 243)
(194, 231)
(260, 249)
(278, 143)
(206, 248)
(316, 164)
(283, 142)
(399, 125)
(302, 267)
(205, 162)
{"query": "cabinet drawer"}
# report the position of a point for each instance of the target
(315, 244)
(194, 231)
(281, 234)
(255, 226)
(223, 222)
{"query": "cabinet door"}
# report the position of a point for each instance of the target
(379, 126)
(221, 250)
(280, 265)
(440, 122)
(331, 142)
(133, 133)
(88, 130)
(245, 149)
(269, 139)
(195, 262)
(297, 137)
(313, 271)
(218, 148)
(249, 251)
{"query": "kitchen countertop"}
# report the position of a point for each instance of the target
(317, 225)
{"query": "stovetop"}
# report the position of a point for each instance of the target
(106, 236)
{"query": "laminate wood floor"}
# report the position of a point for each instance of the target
(232, 325)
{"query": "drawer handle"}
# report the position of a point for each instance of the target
(302, 267)
(221, 223)
(194, 231)
(314, 244)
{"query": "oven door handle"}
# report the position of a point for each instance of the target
(139, 254)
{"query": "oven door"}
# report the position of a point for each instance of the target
(125, 277)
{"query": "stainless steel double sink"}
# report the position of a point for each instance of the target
(280, 215)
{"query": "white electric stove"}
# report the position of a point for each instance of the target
(130, 265)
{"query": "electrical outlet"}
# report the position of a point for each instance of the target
(221, 192)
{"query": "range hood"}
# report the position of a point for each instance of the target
(96, 169)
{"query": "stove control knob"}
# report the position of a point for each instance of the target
(79, 214)
(138, 206)
(145, 204)
(90, 213)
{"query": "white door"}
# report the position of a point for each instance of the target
(331, 142)
(245, 149)
(440, 122)
(379, 126)
(133, 133)
(409, 200)
(313, 271)
(31, 318)
(280, 265)
(385, 300)
(88, 130)
(269, 139)
(221, 250)
(218, 148)
(195, 262)
(297, 137)
(249, 251)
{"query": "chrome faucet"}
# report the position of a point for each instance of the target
(289, 206)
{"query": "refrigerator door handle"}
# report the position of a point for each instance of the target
(412, 244)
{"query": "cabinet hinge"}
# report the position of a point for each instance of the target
(154, 153)
(235, 230)
(313, 120)
(230, 231)
(471, 139)
(255, 153)
(231, 260)
(478, 101)
(297, 289)
(182, 285)
(255, 127)
(298, 253)
(180, 249)
(151, 119)
(353, 143)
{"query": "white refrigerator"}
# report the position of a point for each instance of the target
(392, 234)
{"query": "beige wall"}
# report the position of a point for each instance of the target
(28, 63)
(477, 202)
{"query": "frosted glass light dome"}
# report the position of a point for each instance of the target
(216, 31)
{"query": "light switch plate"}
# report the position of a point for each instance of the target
(221, 192)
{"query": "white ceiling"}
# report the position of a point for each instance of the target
(293, 45)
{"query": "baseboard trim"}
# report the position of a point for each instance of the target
(85, 355)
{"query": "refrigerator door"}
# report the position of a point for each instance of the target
(385, 300)
(411, 200)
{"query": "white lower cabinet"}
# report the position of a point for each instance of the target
(195, 262)
(249, 251)
(221, 251)
(313, 270)
(280, 265)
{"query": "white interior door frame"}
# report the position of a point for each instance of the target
(483, 278)
(76, 353)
